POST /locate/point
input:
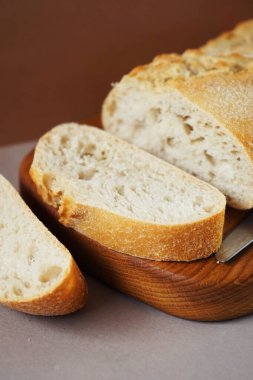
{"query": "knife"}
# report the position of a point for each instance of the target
(238, 240)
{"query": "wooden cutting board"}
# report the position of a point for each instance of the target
(202, 290)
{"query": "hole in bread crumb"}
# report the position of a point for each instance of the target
(30, 258)
(170, 141)
(188, 129)
(198, 200)
(27, 284)
(50, 274)
(155, 113)
(120, 189)
(17, 291)
(112, 107)
(122, 173)
(209, 158)
(167, 198)
(138, 124)
(101, 155)
(90, 149)
(87, 174)
(220, 133)
(198, 139)
(208, 209)
(64, 140)
(1, 226)
(211, 175)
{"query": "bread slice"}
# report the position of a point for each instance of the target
(239, 40)
(125, 198)
(37, 273)
(194, 111)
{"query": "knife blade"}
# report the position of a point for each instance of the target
(238, 240)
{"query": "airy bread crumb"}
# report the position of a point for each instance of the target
(91, 177)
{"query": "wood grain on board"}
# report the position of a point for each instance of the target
(201, 290)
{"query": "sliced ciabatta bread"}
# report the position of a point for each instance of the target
(125, 198)
(239, 40)
(194, 111)
(37, 273)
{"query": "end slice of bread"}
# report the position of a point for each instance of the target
(125, 198)
(37, 273)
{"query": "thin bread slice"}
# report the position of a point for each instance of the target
(194, 111)
(238, 40)
(125, 198)
(37, 273)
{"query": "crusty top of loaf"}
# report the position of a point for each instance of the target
(239, 40)
(221, 86)
(229, 98)
(167, 67)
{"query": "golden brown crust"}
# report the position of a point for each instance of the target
(227, 98)
(221, 86)
(168, 67)
(67, 297)
(239, 40)
(201, 290)
(184, 242)
(180, 243)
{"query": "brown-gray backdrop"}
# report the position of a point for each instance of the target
(58, 57)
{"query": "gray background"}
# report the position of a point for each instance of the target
(117, 337)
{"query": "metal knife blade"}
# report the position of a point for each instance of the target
(239, 239)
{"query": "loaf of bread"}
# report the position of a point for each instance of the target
(194, 111)
(37, 273)
(125, 198)
(239, 40)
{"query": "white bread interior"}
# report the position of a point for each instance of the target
(35, 268)
(83, 171)
(163, 108)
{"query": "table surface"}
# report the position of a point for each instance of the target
(117, 337)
